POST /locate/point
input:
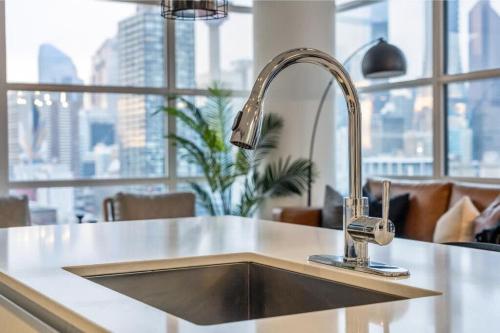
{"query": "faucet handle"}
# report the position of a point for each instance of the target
(386, 198)
(374, 229)
(386, 226)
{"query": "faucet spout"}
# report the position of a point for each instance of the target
(359, 229)
(246, 127)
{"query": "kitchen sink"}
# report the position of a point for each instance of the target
(216, 294)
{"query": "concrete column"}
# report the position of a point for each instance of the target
(4, 128)
(214, 40)
(295, 93)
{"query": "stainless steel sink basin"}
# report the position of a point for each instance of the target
(217, 294)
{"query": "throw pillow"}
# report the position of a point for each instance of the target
(429, 200)
(398, 209)
(489, 218)
(457, 224)
(332, 213)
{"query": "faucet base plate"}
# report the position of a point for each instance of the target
(371, 267)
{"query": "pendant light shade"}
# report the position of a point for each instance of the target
(383, 60)
(194, 9)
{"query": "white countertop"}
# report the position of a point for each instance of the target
(465, 283)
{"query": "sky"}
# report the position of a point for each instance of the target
(76, 27)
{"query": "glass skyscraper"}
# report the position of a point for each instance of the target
(140, 63)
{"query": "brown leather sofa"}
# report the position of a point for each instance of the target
(428, 201)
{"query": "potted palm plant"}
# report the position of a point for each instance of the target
(237, 180)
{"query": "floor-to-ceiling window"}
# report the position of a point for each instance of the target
(441, 119)
(83, 81)
(472, 104)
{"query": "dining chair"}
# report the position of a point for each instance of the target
(14, 212)
(128, 206)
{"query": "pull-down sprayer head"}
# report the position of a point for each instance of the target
(246, 126)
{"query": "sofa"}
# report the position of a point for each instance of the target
(428, 201)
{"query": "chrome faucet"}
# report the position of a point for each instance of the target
(359, 228)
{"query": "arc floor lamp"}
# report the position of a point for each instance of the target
(381, 61)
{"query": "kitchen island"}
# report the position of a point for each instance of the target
(42, 270)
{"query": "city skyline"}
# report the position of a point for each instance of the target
(92, 135)
(117, 135)
(397, 124)
(74, 41)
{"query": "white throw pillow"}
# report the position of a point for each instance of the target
(456, 225)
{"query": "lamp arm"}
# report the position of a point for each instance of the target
(318, 113)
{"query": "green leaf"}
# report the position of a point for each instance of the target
(244, 161)
(189, 145)
(250, 199)
(272, 124)
(206, 145)
(219, 116)
(204, 197)
(189, 121)
(285, 177)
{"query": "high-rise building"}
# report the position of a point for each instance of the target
(62, 119)
(97, 134)
(105, 64)
(184, 53)
(25, 133)
(105, 72)
(140, 63)
(459, 144)
(98, 130)
(54, 66)
(185, 77)
(453, 35)
(483, 96)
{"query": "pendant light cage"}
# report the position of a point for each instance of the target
(190, 10)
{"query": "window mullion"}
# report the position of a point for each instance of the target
(395, 85)
(171, 152)
(96, 182)
(50, 87)
(439, 117)
(355, 4)
(4, 130)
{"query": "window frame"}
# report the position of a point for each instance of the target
(170, 179)
(438, 81)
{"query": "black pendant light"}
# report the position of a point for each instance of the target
(194, 9)
(383, 60)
